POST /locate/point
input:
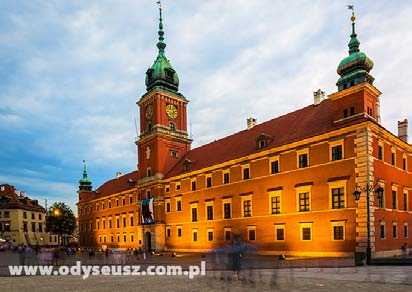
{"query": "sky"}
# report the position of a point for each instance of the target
(71, 73)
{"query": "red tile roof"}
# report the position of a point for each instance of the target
(14, 200)
(303, 123)
(117, 185)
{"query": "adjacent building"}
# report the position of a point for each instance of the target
(286, 185)
(22, 220)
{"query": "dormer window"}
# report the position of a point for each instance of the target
(149, 74)
(169, 74)
(264, 140)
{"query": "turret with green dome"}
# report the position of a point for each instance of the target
(354, 69)
(85, 184)
(161, 74)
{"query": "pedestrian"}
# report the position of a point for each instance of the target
(144, 254)
(404, 249)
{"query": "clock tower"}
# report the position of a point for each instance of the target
(163, 139)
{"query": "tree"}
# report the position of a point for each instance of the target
(60, 219)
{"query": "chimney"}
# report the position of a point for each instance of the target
(251, 122)
(403, 130)
(318, 96)
(118, 174)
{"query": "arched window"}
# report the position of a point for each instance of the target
(172, 126)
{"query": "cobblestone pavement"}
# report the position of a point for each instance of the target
(265, 282)
(259, 273)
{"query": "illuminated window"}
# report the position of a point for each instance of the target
(274, 202)
(304, 202)
(247, 207)
(338, 198)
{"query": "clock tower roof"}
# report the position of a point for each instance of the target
(161, 74)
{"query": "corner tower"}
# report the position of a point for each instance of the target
(356, 96)
(163, 136)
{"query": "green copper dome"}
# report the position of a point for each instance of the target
(162, 74)
(85, 184)
(354, 69)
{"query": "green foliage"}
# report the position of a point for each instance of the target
(60, 219)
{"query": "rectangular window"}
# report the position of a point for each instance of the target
(405, 201)
(6, 214)
(303, 160)
(226, 178)
(194, 214)
(130, 200)
(25, 227)
(393, 158)
(226, 210)
(382, 230)
(404, 163)
(123, 201)
(247, 208)
(117, 223)
(227, 235)
(193, 185)
(209, 182)
(33, 227)
(380, 152)
(338, 232)
(338, 198)
(131, 221)
(179, 231)
(394, 200)
(131, 238)
(194, 235)
(246, 173)
(24, 215)
(39, 216)
(304, 202)
(32, 216)
(405, 230)
(306, 233)
(111, 238)
(210, 235)
(252, 234)
(209, 212)
(179, 205)
(168, 231)
(381, 202)
(275, 204)
(395, 231)
(40, 227)
(124, 221)
(110, 223)
(167, 207)
(280, 232)
(274, 167)
(117, 203)
(124, 237)
(337, 153)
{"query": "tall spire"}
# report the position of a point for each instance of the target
(161, 44)
(85, 184)
(354, 42)
(161, 75)
(354, 69)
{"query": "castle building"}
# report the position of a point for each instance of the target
(324, 180)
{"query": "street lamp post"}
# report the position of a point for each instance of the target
(356, 194)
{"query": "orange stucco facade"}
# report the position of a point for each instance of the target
(286, 185)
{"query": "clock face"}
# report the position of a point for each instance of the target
(149, 111)
(171, 111)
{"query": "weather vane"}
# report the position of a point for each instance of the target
(160, 4)
(350, 7)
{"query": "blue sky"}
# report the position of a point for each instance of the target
(72, 71)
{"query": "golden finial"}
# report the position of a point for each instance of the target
(160, 4)
(350, 7)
